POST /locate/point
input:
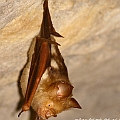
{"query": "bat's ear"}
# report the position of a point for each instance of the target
(73, 104)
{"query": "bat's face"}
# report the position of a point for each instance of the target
(47, 109)
(53, 107)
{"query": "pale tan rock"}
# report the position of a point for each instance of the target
(91, 48)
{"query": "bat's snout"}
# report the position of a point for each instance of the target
(45, 113)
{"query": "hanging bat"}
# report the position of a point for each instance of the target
(48, 89)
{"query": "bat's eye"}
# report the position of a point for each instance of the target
(50, 104)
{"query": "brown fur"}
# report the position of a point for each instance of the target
(48, 89)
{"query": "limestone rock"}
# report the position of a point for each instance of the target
(91, 49)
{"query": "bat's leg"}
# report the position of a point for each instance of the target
(47, 26)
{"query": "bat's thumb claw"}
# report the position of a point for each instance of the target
(25, 107)
(20, 113)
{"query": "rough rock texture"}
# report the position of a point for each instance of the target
(91, 49)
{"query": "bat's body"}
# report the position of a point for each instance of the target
(48, 89)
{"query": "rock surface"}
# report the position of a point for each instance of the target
(91, 49)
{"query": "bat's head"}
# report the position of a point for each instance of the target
(57, 99)
(53, 107)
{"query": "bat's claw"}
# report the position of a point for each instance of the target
(25, 107)
(20, 113)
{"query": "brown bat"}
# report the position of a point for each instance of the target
(48, 89)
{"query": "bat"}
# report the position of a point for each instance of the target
(45, 83)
